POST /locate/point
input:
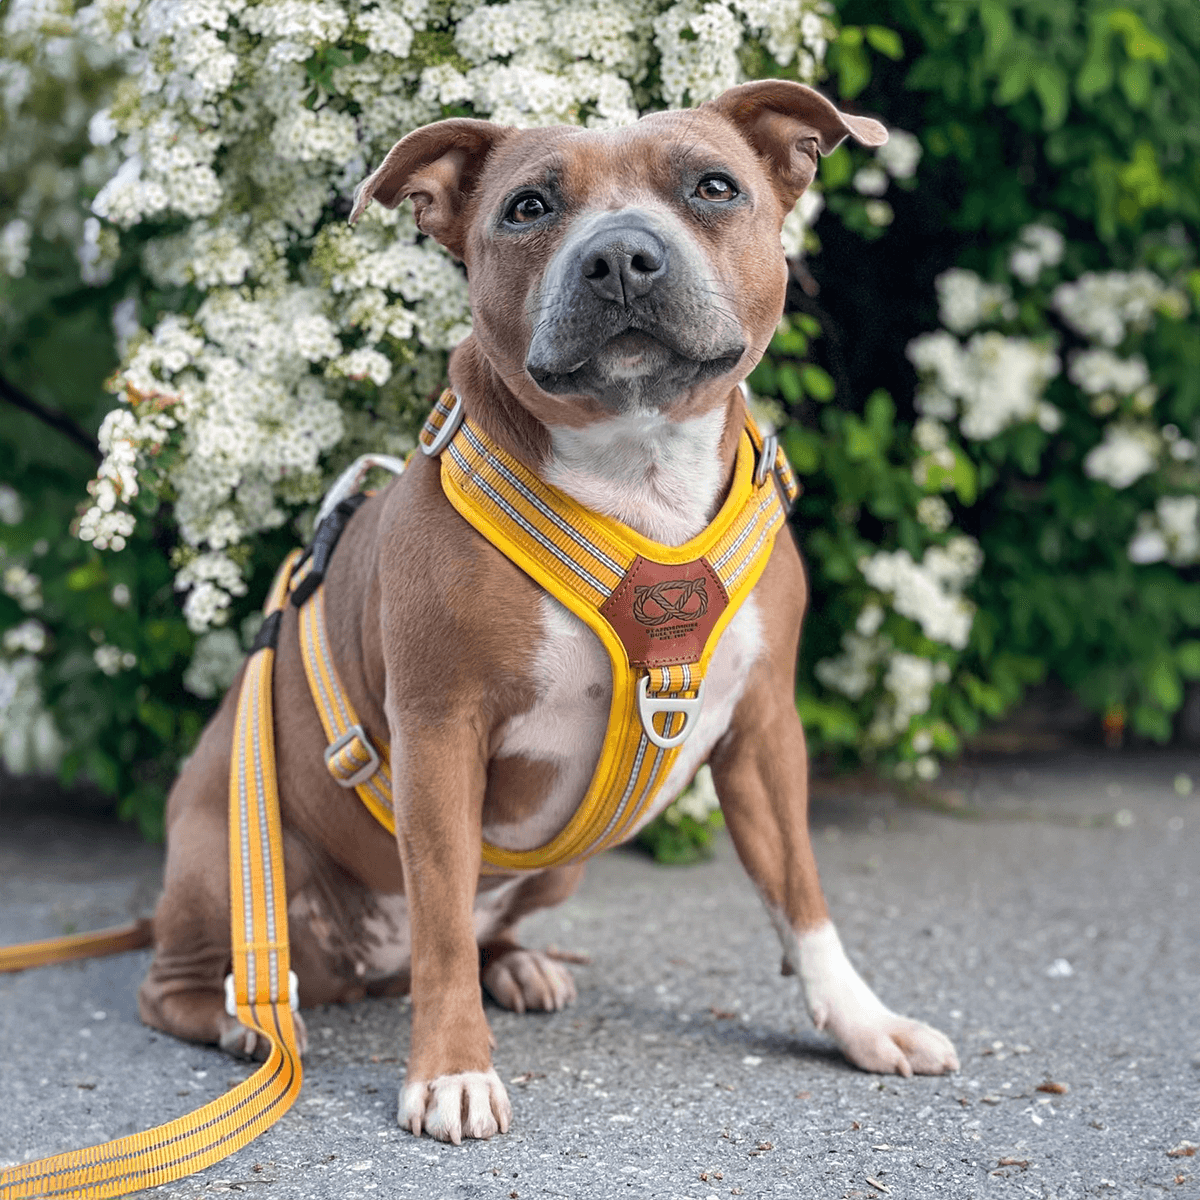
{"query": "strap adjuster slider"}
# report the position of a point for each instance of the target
(364, 772)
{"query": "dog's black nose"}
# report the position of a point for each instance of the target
(622, 264)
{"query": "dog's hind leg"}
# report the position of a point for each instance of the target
(516, 978)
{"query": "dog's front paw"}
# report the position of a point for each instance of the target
(525, 980)
(890, 1044)
(473, 1104)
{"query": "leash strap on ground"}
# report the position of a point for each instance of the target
(261, 983)
(658, 610)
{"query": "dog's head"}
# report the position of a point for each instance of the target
(626, 269)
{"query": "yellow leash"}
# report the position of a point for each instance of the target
(260, 982)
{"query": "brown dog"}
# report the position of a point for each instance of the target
(622, 284)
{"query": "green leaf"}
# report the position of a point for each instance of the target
(1162, 683)
(1152, 723)
(1015, 80)
(788, 379)
(836, 170)
(803, 449)
(817, 383)
(849, 60)
(1096, 74)
(1135, 81)
(1050, 84)
(1140, 43)
(90, 575)
(997, 28)
(964, 478)
(886, 41)
(1187, 659)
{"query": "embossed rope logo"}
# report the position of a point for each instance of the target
(673, 599)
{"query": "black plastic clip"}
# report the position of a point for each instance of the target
(323, 543)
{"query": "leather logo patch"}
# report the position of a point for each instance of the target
(656, 604)
(664, 613)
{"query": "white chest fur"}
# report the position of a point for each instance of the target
(662, 478)
(658, 476)
(566, 725)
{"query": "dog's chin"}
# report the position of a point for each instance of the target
(634, 370)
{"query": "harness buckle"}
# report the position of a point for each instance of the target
(363, 773)
(449, 428)
(649, 705)
(766, 459)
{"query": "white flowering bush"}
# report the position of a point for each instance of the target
(987, 381)
(1031, 305)
(296, 343)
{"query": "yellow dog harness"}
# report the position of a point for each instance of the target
(658, 610)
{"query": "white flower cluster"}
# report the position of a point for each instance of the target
(29, 740)
(214, 664)
(1127, 452)
(1038, 247)
(1104, 308)
(29, 638)
(928, 593)
(965, 302)
(247, 126)
(1171, 533)
(897, 158)
(23, 586)
(52, 68)
(990, 382)
(112, 660)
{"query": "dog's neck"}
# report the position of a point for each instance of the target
(666, 478)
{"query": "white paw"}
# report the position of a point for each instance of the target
(890, 1044)
(524, 980)
(243, 1042)
(840, 1002)
(473, 1104)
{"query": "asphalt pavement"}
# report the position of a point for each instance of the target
(1043, 913)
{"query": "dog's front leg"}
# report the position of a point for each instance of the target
(450, 1090)
(761, 773)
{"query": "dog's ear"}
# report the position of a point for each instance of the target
(437, 165)
(788, 124)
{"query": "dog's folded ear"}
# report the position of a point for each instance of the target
(788, 124)
(437, 166)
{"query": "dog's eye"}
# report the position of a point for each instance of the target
(716, 188)
(527, 209)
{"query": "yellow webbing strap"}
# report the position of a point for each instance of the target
(98, 944)
(260, 971)
(581, 558)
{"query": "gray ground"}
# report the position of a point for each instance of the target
(1047, 921)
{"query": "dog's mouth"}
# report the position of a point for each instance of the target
(632, 364)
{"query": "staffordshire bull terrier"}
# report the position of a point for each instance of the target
(623, 283)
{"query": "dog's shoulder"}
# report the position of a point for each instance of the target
(455, 616)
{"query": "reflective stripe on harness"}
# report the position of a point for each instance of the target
(658, 610)
(261, 982)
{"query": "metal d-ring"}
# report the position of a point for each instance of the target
(649, 705)
(449, 428)
(766, 459)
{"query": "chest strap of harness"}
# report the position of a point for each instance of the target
(658, 610)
